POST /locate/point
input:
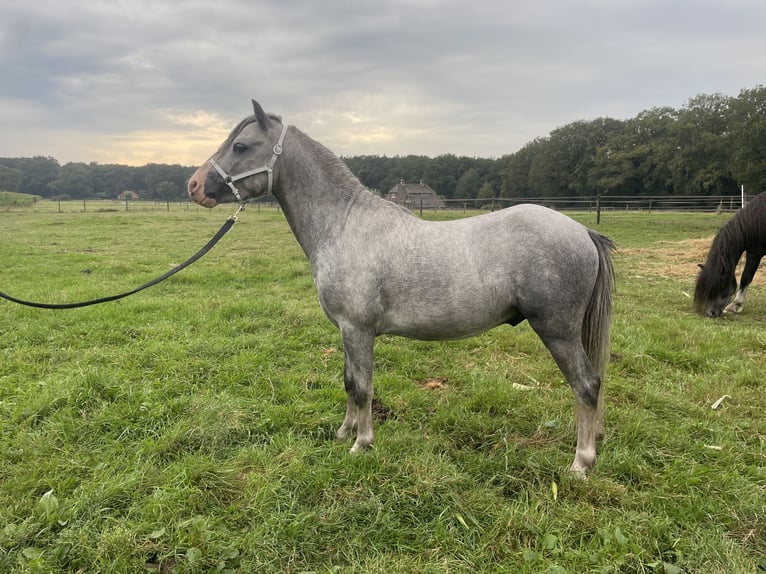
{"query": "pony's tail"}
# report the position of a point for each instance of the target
(596, 328)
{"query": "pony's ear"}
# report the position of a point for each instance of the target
(260, 115)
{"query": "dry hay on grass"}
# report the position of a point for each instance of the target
(676, 259)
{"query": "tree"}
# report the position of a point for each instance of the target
(515, 171)
(486, 191)
(571, 153)
(748, 163)
(39, 173)
(702, 153)
(110, 180)
(468, 185)
(652, 134)
(166, 190)
(10, 179)
(75, 180)
(442, 174)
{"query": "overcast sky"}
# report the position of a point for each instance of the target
(140, 81)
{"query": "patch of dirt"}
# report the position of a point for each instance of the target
(677, 259)
(433, 384)
(381, 412)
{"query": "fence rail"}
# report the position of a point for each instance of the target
(106, 205)
(699, 203)
(603, 203)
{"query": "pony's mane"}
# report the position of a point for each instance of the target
(745, 229)
(349, 185)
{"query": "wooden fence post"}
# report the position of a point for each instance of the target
(598, 209)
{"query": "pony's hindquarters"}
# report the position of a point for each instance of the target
(574, 323)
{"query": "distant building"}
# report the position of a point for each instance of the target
(127, 194)
(415, 196)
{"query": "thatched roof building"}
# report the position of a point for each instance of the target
(415, 196)
(127, 194)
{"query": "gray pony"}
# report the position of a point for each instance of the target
(380, 269)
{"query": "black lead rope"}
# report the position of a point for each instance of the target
(221, 232)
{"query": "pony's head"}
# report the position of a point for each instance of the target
(716, 285)
(242, 168)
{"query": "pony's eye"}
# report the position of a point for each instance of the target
(239, 147)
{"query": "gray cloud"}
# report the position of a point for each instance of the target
(161, 81)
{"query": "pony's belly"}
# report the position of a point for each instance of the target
(443, 328)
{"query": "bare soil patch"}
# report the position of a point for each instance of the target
(677, 259)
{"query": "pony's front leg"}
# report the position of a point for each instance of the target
(357, 379)
(752, 261)
(737, 303)
(349, 421)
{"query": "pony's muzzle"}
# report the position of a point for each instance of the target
(198, 191)
(191, 186)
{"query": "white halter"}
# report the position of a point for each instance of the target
(268, 168)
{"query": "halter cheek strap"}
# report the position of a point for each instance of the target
(268, 168)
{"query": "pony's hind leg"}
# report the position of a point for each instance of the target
(357, 379)
(600, 431)
(752, 261)
(571, 358)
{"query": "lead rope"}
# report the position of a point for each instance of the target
(216, 238)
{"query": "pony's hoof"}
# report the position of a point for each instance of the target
(582, 464)
(733, 308)
(580, 473)
(344, 432)
(360, 448)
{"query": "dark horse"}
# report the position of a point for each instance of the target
(716, 282)
(379, 269)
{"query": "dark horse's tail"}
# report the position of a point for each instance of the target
(596, 327)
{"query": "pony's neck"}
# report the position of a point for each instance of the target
(317, 191)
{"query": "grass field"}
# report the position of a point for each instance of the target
(189, 428)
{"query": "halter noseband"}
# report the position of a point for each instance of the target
(268, 168)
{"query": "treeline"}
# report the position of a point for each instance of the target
(43, 176)
(710, 146)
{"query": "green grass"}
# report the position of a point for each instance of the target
(189, 428)
(10, 199)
